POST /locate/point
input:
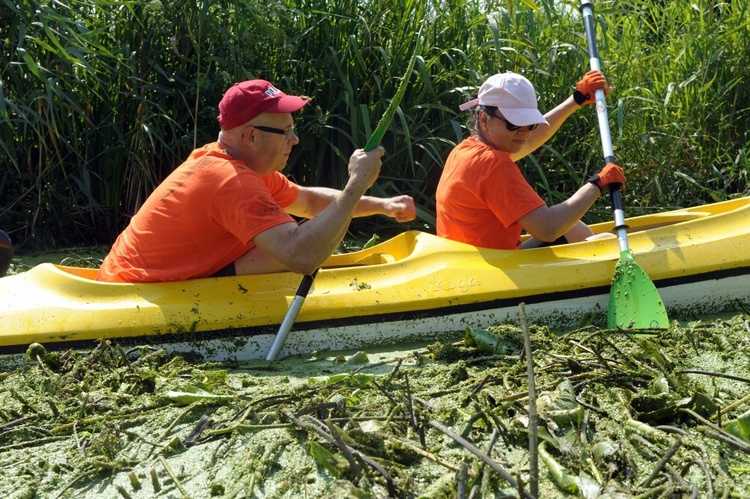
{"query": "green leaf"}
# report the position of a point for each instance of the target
(325, 458)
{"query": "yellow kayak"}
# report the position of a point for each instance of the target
(413, 287)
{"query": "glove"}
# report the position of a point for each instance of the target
(611, 175)
(591, 82)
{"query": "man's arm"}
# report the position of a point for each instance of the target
(303, 248)
(313, 200)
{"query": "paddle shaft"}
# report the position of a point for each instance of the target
(601, 114)
(291, 315)
(634, 301)
(307, 281)
(372, 143)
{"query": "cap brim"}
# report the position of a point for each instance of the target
(468, 105)
(523, 117)
(287, 104)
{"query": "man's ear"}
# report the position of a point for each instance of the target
(249, 134)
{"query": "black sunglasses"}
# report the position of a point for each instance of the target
(510, 126)
(286, 133)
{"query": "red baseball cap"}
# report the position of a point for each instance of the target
(246, 100)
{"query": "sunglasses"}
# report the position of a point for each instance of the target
(510, 126)
(285, 132)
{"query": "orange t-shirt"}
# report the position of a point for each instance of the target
(199, 220)
(481, 195)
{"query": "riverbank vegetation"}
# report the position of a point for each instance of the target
(99, 101)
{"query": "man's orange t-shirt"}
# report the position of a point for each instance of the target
(481, 195)
(199, 220)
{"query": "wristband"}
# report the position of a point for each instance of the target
(580, 97)
(595, 180)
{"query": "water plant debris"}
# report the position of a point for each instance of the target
(665, 413)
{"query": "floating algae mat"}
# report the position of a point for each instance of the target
(664, 414)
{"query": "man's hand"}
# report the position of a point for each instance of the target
(611, 175)
(589, 84)
(364, 167)
(401, 208)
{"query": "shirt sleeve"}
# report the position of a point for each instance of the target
(283, 190)
(246, 207)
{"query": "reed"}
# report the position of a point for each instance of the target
(99, 100)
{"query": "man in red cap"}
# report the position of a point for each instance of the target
(227, 209)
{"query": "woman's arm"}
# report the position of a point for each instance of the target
(556, 117)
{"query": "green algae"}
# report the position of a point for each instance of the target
(142, 423)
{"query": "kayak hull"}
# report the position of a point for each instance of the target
(413, 287)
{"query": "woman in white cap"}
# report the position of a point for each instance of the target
(483, 198)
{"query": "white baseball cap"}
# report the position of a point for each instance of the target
(513, 95)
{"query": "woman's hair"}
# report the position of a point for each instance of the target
(472, 122)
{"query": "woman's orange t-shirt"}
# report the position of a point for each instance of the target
(481, 195)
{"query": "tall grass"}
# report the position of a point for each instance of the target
(99, 100)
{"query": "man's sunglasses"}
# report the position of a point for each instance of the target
(510, 126)
(286, 133)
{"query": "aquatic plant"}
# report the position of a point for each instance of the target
(661, 414)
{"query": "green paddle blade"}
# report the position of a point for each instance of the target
(634, 302)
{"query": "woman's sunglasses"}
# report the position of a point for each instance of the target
(510, 126)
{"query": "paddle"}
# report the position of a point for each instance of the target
(6, 252)
(634, 302)
(372, 143)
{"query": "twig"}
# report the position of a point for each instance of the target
(371, 462)
(736, 404)
(476, 489)
(345, 449)
(173, 476)
(461, 478)
(204, 422)
(122, 354)
(395, 369)
(123, 492)
(432, 457)
(177, 419)
(734, 443)
(726, 437)
(672, 429)
(702, 465)
(246, 485)
(384, 392)
(597, 354)
(533, 431)
(481, 455)
(663, 461)
(716, 375)
(414, 419)
(244, 426)
(16, 422)
(89, 471)
(155, 481)
(548, 386)
(590, 407)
